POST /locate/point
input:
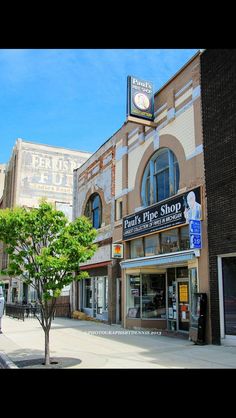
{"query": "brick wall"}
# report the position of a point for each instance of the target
(218, 84)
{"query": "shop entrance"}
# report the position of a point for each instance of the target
(178, 299)
(183, 305)
(118, 300)
(98, 296)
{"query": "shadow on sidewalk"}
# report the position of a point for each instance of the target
(34, 359)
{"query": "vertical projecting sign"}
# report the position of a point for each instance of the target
(195, 233)
(117, 251)
(140, 98)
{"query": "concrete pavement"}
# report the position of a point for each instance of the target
(86, 344)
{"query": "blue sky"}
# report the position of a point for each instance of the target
(74, 98)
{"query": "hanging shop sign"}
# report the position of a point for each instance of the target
(117, 250)
(171, 212)
(140, 98)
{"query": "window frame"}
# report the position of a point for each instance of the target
(139, 307)
(90, 211)
(149, 194)
(160, 242)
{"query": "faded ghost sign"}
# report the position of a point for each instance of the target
(48, 173)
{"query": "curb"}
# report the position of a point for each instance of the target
(6, 363)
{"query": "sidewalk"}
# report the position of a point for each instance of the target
(86, 344)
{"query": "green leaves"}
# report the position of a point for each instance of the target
(45, 248)
(82, 275)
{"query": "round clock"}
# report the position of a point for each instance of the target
(141, 101)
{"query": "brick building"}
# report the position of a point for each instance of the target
(35, 171)
(94, 196)
(158, 172)
(154, 184)
(218, 69)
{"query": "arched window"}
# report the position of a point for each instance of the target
(93, 210)
(161, 177)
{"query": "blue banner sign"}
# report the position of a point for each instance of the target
(195, 235)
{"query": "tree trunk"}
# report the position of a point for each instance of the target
(47, 352)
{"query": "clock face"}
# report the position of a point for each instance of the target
(141, 101)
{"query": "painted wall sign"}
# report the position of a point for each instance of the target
(48, 173)
(171, 212)
(140, 98)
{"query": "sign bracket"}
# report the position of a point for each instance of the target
(140, 121)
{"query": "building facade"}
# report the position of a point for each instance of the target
(94, 196)
(37, 171)
(159, 181)
(150, 191)
(218, 69)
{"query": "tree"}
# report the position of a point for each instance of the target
(45, 250)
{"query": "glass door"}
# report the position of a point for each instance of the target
(172, 299)
(99, 294)
(183, 304)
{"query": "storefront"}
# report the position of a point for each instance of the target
(93, 293)
(161, 274)
(159, 290)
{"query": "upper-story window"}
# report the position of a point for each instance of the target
(161, 177)
(93, 210)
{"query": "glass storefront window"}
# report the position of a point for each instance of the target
(184, 238)
(96, 294)
(88, 293)
(136, 248)
(170, 241)
(153, 296)
(152, 245)
(160, 243)
(133, 296)
(181, 272)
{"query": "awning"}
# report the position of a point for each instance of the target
(92, 266)
(160, 259)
